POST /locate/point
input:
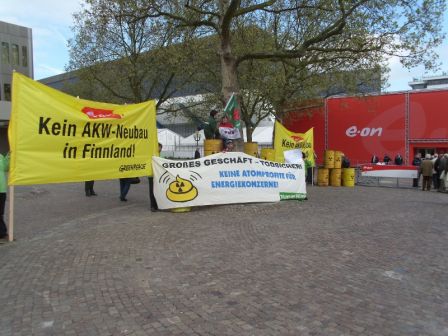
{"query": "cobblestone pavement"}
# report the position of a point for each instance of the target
(349, 261)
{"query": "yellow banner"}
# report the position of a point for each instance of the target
(58, 138)
(285, 140)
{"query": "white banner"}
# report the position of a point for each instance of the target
(376, 170)
(229, 133)
(225, 178)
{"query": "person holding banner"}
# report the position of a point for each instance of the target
(125, 185)
(4, 167)
(227, 130)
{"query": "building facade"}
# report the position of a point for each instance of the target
(405, 123)
(433, 82)
(16, 54)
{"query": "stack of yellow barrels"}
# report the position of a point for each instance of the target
(332, 173)
(335, 173)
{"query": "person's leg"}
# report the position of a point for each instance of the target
(87, 188)
(427, 180)
(415, 183)
(441, 184)
(126, 187)
(123, 191)
(3, 228)
(92, 192)
(152, 199)
(434, 180)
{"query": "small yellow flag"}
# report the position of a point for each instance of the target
(57, 138)
(285, 140)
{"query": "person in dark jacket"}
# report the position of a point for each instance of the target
(435, 166)
(386, 159)
(152, 200)
(398, 159)
(374, 159)
(211, 129)
(426, 171)
(417, 162)
(345, 162)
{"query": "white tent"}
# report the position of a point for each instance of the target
(262, 135)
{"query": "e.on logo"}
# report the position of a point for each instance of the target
(353, 131)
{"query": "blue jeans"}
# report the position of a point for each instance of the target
(124, 187)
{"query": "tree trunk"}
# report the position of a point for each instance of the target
(230, 81)
(249, 132)
(228, 71)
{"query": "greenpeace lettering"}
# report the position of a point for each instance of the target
(353, 131)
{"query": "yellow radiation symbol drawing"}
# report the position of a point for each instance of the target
(181, 190)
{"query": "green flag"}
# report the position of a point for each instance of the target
(232, 111)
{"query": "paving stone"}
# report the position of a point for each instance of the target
(349, 261)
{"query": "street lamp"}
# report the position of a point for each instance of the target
(197, 137)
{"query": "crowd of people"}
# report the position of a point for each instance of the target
(434, 169)
(398, 160)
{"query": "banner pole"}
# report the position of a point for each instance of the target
(11, 214)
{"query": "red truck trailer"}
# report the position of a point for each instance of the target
(407, 123)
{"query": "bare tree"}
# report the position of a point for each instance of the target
(310, 30)
(128, 60)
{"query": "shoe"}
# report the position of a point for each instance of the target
(88, 194)
(123, 199)
(154, 209)
(93, 193)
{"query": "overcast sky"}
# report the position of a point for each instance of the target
(51, 20)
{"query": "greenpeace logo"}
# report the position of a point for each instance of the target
(353, 131)
(130, 167)
(95, 113)
(296, 138)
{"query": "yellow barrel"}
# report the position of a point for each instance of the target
(329, 159)
(338, 159)
(335, 177)
(268, 154)
(322, 177)
(251, 148)
(348, 177)
(212, 146)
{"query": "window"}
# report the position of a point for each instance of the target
(7, 92)
(24, 56)
(15, 54)
(5, 52)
